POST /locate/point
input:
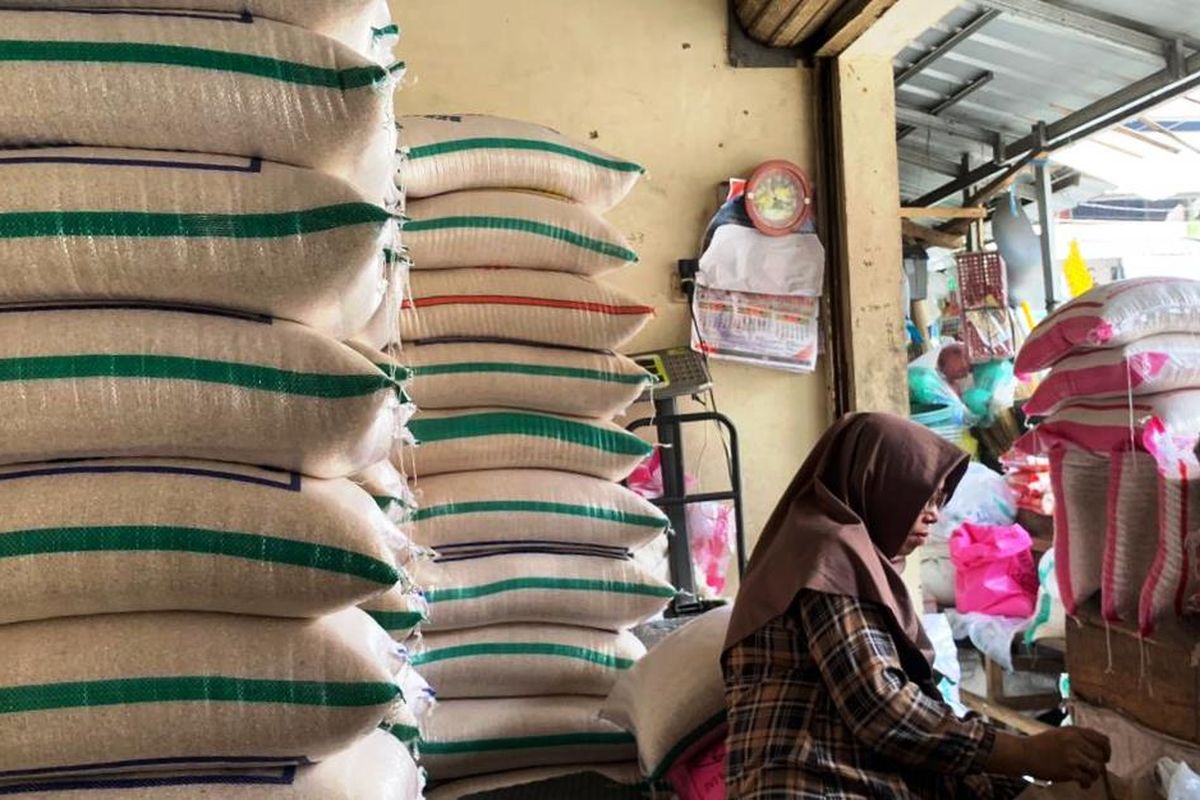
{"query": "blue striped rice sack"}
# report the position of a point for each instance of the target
(525, 660)
(188, 689)
(502, 507)
(451, 153)
(474, 737)
(233, 85)
(580, 383)
(400, 611)
(590, 591)
(488, 438)
(116, 381)
(217, 231)
(100, 537)
(364, 25)
(377, 767)
(511, 229)
(627, 774)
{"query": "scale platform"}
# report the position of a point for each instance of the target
(678, 372)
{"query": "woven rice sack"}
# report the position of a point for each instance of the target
(364, 25)
(101, 537)
(502, 506)
(525, 660)
(511, 229)
(579, 383)
(628, 774)
(388, 489)
(1050, 619)
(400, 611)
(1172, 586)
(450, 153)
(605, 593)
(1081, 484)
(516, 305)
(1131, 540)
(1106, 426)
(166, 81)
(184, 689)
(377, 767)
(473, 737)
(142, 382)
(216, 231)
(673, 700)
(482, 439)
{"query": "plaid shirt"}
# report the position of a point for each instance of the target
(819, 707)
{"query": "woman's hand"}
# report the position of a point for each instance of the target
(1068, 754)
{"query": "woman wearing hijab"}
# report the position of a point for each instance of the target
(828, 675)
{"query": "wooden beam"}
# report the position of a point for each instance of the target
(851, 22)
(1004, 716)
(931, 236)
(879, 29)
(942, 212)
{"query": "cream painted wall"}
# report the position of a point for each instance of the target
(648, 80)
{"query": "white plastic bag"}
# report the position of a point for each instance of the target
(1177, 780)
(983, 497)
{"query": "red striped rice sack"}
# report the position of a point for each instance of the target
(1081, 485)
(593, 592)
(1172, 587)
(525, 660)
(627, 774)
(1110, 316)
(130, 381)
(216, 231)
(512, 229)
(485, 438)
(187, 689)
(364, 25)
(377, 767)
(101, 537)
(528, 306)
(206, 84)
(1130, 542)
(400, 611)
(579, 383)
(1106, 426)
(473, 737)
(496, 507)
(451, 153)
(673, 700)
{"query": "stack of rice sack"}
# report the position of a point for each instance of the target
(509, 342)
(181, 550)
(1121, 408)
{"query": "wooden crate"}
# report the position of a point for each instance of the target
(1153, 681)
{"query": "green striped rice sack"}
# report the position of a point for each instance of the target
(673, 700)
(589, 591)
(511, 229)
(627, 774)
(225, 84)
(101, 537)
(185, 689)
(474, 737)
(139, 381)
(364, 25)
(518, 305)
(376, 767)
(450, 153)
(389, 489)
(216, 231)
(401, 611)
(524, 660)
(496, 507)
(580, 383)
(487, 438)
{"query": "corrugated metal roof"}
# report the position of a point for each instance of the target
(1041, 72)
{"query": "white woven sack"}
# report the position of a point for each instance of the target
(454, 152)
(364, 25)
(494, 507)
(673, 700)
(377, 767)
(144, 382)
(511, 229)
(1131, 540)
(628, 774)
(525, 660)
(101, 537)
(1080, 483)
(165, 81)
(605, 593)
(216, 231)
(185, 689)
(473, 737)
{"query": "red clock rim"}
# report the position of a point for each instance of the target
(803, 213)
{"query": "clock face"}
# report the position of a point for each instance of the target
(778, 198)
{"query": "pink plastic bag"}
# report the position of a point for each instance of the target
(702, 776)
(995, 571)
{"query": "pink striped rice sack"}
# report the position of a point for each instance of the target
(1172, 587)
(1132, 541)
(1107, 426)
(1111, 316)
(1080, 483)
(1152, 365)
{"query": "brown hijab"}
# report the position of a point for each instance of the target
(841, 523)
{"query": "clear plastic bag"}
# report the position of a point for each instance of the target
(983, 497)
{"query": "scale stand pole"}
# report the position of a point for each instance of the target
(670, 437)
